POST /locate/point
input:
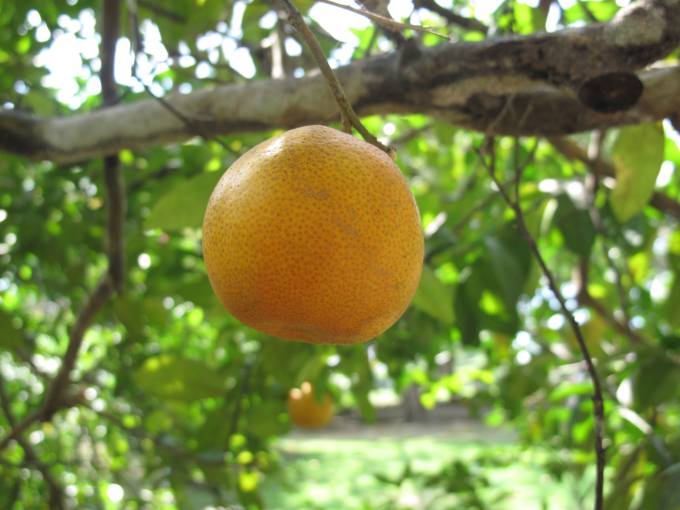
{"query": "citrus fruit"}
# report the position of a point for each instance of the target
(314, 235)
(305, 410)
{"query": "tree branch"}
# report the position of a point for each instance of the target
(598, 402)
(385, 22)
(161, 10)
(521, 85)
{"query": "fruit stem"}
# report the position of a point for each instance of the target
(348, 117)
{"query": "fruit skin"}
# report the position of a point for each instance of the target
(306, 411)
(315, 236)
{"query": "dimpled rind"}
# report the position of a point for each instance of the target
(315, 236)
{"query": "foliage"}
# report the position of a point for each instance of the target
(179, 405)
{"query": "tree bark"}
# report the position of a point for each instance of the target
(544, 84)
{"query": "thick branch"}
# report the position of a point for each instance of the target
(514, 86)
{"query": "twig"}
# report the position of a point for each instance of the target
(598, 403)
(385, 22)
(586, 10)
(452, 17)
(380, 7)
(349, 117)
(56, 498)
(161, 10)
(603, 167)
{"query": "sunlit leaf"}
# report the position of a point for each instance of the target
(434, 297)
(637, 154)
(576, 226)
(184, 205)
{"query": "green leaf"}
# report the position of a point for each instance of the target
(434, 297)
(575, 225)
(524, 18)
(507, 269)
(172, 378)
(184, 205)
(656, 381)
(638, 153)
(253, 13)
(263, 420)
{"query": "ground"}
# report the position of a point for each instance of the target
(345, 466)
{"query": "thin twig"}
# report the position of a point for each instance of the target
(55, 395)
(346, 111)
(598, 403)
(163, 11)
(385, 22)
(452, 17)
(379, 7)
(586, 10)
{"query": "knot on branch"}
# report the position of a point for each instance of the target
(611, 92)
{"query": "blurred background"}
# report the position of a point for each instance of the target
(477, 398)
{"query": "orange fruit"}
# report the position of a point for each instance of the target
(305, 410)
(314, 235)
